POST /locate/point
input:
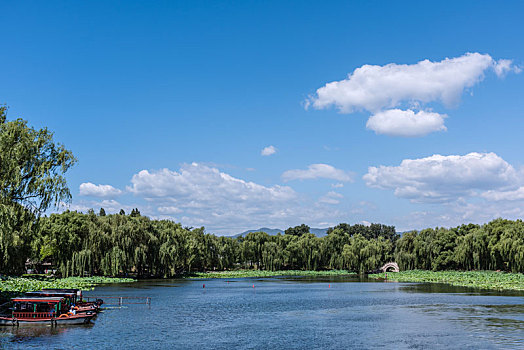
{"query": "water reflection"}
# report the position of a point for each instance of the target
(23, 333)
(447, 288)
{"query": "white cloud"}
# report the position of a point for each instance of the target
(444, 178)
(514, 195)
(379, 89)
(397, 122)
(112, 206)
(337, 185)
(196, 182)
(224, 204)
(457, 213)
(503, 67)
(269, 150)
(80, 207)
(373, 87)
(169, 210)
(317, 171)
(102, 191)
(483, 211)
(331, 197)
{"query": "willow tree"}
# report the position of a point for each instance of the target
(32, 168)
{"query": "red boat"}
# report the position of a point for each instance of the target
(44, 311)
(75, 302)
(78, 301)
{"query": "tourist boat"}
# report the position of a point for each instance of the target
(72, 298)
(44, 311)
(79, 301)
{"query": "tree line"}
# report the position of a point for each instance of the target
(32, 179)
(119, 245)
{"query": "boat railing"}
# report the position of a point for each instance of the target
(18, 314)
(113, 300)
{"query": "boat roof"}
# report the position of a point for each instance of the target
(68, 290)
(38, 299)
(50, 293)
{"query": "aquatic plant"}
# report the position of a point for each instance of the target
(476, 279)
(264, 273)
(23, 284)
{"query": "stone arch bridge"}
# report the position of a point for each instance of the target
(390, 266)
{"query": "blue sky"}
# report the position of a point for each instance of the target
(169, 105)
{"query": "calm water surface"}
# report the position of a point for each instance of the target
(280, 313)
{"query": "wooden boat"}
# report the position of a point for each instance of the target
(43, 311)
(71, 297)
(78, 301)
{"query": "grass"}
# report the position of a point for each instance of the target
(263, 273)
(476, 279)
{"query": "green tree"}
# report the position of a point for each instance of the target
(297, 230)
(32, 168)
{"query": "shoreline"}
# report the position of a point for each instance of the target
(488, 280)
(264, 273)
(13, 286)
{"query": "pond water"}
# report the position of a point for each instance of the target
(289, 313)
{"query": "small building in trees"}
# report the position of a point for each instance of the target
(45, 266)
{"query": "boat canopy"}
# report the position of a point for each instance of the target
(47, 300)
(47, 293)
(65, 290)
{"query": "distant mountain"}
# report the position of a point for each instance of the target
(269, 231)
(319, 232)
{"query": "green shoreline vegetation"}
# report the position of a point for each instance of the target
(476, 279)
(263, 273)
(32, 180)
(25, 284)
(14, 286)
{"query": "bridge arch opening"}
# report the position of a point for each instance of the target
(390, 267)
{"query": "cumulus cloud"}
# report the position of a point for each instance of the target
(397, 122)
(380, 89)
(317, 171)
(514, 195)
(373, 87)
(102, 191)
(200, 183)
(201, 195)
(443, 178)
(269, 150)
(503, 67)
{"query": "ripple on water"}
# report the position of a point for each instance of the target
(290, 314)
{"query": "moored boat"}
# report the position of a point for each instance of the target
(74, 301)
(78, 301)
(34, 310)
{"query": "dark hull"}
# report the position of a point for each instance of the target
(71, 320)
